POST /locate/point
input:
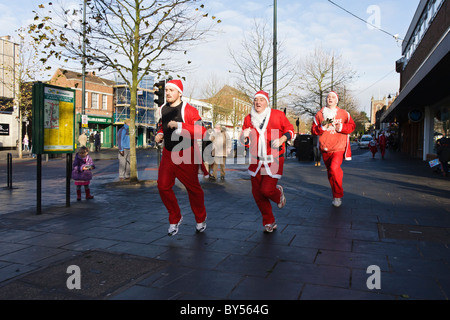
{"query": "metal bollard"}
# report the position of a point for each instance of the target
(9, 170)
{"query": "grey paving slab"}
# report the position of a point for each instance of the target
(312, 273)
(248, 265)
(255, 288)
(317, 292)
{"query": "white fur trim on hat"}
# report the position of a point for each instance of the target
(337, 97)
(264, 95)
(173, 85)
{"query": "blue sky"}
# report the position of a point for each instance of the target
(302, 25)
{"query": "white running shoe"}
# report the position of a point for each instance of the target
(201, 226)
(337, 202)
(269, 228)
(282, 202)
(173, 228)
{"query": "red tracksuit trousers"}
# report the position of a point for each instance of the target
(333, 162)
(264, 189)
(187, 174)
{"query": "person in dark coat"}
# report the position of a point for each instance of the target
(443, 152)
(97, 142)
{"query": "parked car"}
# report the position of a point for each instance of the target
(364, 142)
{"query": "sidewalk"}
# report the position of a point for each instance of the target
(395, 215)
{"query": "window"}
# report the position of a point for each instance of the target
(104, 102)
(94, 101)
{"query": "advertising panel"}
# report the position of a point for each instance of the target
(54, 115)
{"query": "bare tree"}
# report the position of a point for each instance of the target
(253, 63)
(321, 72)
(132, 37)
(25, 70)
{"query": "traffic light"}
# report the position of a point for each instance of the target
(160, 93)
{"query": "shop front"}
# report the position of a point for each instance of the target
(101, 124)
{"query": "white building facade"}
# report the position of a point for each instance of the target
(9, 88)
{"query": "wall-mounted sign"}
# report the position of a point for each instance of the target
(415, 115)
(53, 119)
(4, 129)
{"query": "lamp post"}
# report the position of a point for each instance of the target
(83, 71)
(274, 54)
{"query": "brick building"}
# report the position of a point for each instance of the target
(99, 102)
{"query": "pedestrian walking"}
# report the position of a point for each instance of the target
(82, 139)
(82, 172)
(317, 153)
(181, 157)
(334, 125)
(97, 142)
(91, 142)
(266, 130)
(123, 142)
(382, 141)
(208, 159)
(373, 147)
(221, 147)
(26, 142)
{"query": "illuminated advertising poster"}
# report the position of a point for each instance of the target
(59, 107)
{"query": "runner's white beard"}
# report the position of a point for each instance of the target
(258, 118)
(329, 114)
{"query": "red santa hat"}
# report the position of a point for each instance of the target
(264, 95)
(337, 97)
(177, 84)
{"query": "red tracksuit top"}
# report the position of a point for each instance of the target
(332, 140)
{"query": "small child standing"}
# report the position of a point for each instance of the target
(81, 172)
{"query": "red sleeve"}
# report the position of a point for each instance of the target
(349, 126)
(193, 123)
(316, 128)
(287, 127)
(247, 124)
(159, 127)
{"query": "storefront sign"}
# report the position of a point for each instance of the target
(100, 120)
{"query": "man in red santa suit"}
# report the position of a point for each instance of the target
(382, 141)
(181, 126)
(265, 131)
(334, 125)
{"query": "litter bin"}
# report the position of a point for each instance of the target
(304, 146)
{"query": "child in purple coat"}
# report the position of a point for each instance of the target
(81, 172)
